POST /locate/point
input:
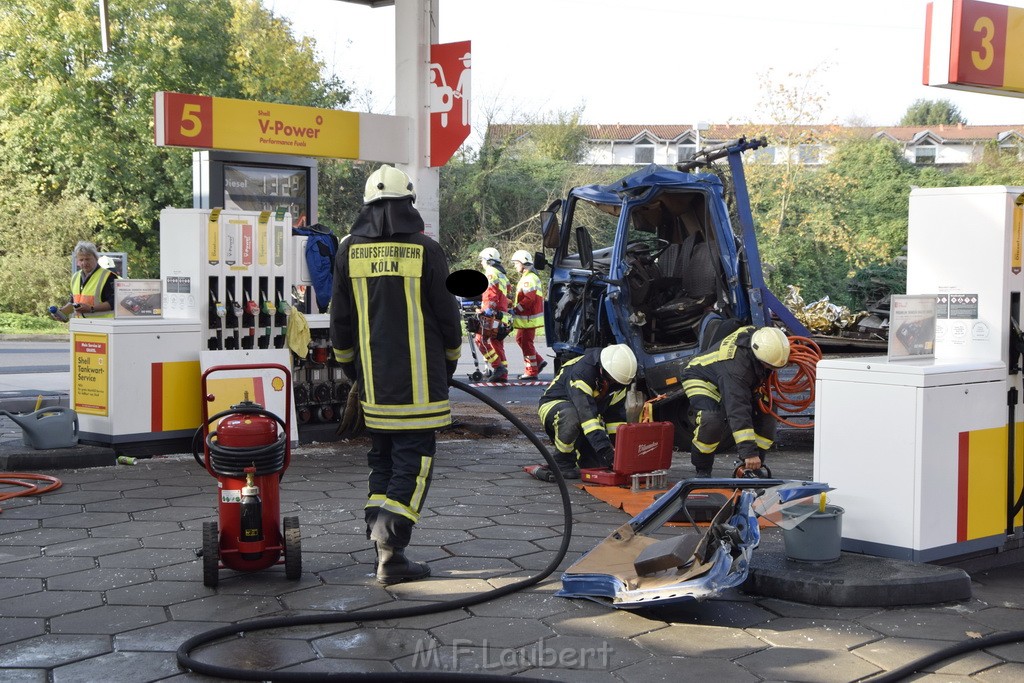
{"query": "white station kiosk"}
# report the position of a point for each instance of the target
(918, 448)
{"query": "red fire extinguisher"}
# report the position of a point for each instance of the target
(248, 455)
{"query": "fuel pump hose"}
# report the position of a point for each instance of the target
(187, 661)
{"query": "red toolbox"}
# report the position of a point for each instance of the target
(639, 447)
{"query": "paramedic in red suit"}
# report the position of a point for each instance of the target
(528, 313)
(585, 405)
(397, 331)
(493, 312)
(721, 387)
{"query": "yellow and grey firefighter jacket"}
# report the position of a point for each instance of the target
(396, 328)
(601, 410)
(729, 373)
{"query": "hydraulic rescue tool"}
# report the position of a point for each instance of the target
(248, 456)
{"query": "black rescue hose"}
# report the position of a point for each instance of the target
(186, 661)
(231, 461)
(900, 673)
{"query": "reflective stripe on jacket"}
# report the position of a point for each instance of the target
(729, 373)
(91, 291)
(495, 297)
(528, 311)
(393, 317)
(579, 381)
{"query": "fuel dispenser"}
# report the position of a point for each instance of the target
(248, 273)
(230, 282)
(922, 451)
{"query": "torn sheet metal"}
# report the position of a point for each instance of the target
(618, 570)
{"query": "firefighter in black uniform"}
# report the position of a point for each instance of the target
(583, 407)
(397, 331)
(722, 385)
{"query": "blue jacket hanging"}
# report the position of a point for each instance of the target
(321, 248)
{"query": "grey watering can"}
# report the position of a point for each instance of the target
(46, 428)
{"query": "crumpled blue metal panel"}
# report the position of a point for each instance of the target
(647, 177)
(728, 553)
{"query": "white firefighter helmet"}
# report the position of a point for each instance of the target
(489, 254)
(619, 362)
(771, 346)
(106, 262)
(387, 182)
(523, 256)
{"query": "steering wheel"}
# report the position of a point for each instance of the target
(646, 251)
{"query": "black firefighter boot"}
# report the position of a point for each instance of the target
(394, 567)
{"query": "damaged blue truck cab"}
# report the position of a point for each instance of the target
(649, 259)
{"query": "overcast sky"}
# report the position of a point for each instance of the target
(656, 61)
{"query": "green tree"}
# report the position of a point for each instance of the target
(875, 207)
(932, 113)
(560, 137)
(791, 106)
(78, 122)
(36, 239)
(493, 197)
(998, 166)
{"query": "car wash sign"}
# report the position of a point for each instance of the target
(974, 46)
(449, 99)
(204, 122)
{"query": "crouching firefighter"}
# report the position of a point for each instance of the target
(722, 388)
(397, 333)
(583, 407)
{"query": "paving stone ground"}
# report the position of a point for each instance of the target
(99, 581)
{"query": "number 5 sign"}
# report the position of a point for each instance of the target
(203, 122)
(188, 121)
(975, 46)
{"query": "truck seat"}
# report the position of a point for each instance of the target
(690, 265)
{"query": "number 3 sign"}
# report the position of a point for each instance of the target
(976, 46)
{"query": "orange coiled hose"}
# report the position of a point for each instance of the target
(795, 394)
(27, 488)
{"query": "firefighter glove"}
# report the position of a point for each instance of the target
(451, 366)
(606, 456)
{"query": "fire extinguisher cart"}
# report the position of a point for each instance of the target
(248, 456)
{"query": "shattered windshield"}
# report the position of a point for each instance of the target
(601, 223)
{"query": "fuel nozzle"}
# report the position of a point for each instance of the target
(1016, 346)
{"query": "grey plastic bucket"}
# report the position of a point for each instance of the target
(817, 538)
(46, 428)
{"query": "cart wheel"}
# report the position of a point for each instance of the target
(477, 376)
(292, 548)
(211, 554)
